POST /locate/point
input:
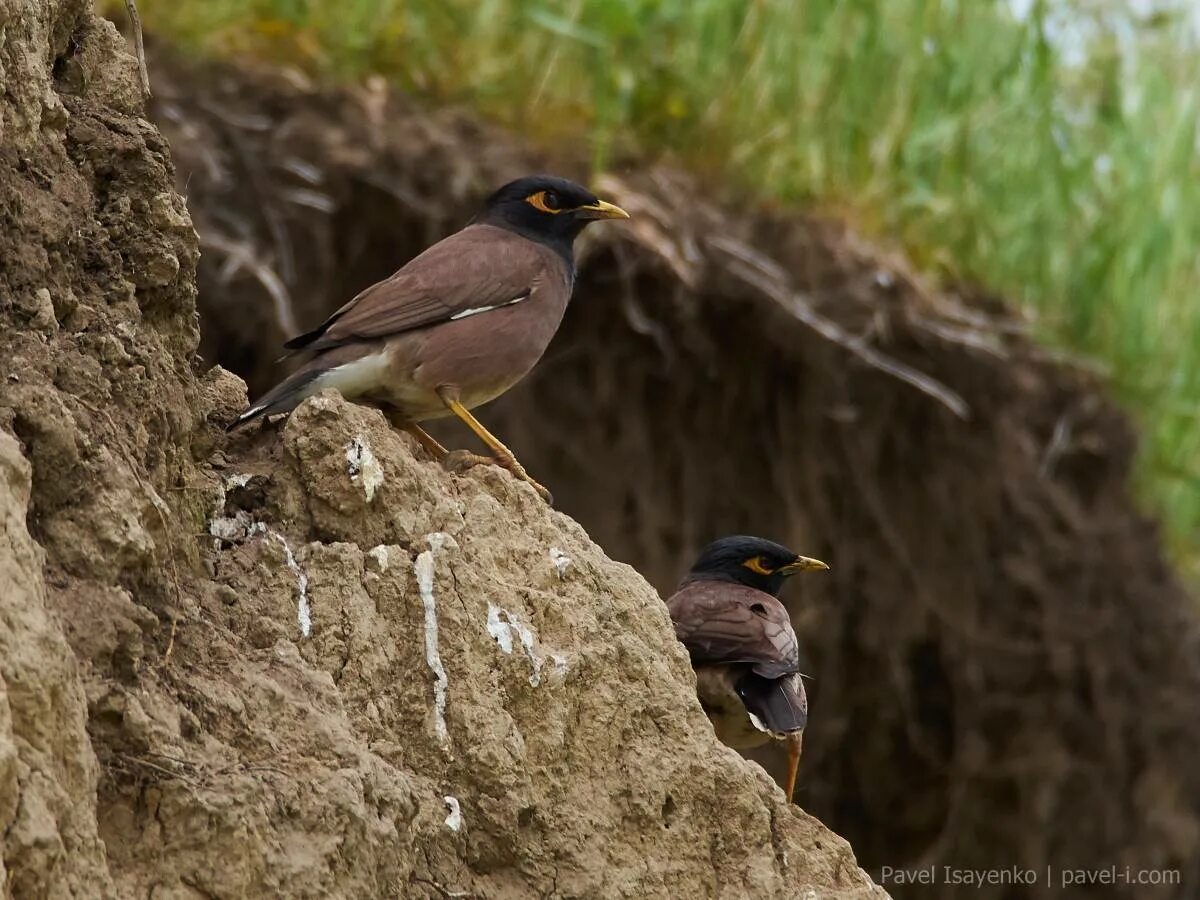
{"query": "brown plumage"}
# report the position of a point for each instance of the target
(458, 325)
(480, 266)
(742, 645)
(746, 659)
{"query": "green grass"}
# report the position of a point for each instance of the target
(1070, 185)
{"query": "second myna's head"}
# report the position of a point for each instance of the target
(752, 561)
(546, 209)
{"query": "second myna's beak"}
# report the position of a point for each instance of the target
(601, 210)
(803, 564)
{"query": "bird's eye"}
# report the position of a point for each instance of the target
(758, 609)
(546, 201)
(758, 565)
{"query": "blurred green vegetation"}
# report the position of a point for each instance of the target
(1045, 150)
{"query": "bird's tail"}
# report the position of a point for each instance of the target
(284, 397)
(779, 703)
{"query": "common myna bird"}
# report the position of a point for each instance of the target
(742, 644)
(458, 325)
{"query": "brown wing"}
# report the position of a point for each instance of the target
(721, 622)
(479, 268)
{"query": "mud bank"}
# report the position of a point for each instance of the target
(384, 680)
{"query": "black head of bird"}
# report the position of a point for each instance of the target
(547, 209)
(752, 561)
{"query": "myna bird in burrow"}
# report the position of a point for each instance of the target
(742, 644)
(458, 325)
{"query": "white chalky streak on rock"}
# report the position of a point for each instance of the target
(561, 561)
(241, 526)
(363, 467)
(379, 553)
(230, 528)
(498, 628)
(223, 527)
(423, 568)
(502, 625)
(303, 609)
(454, 820)
(527, 640)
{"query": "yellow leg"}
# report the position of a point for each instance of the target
(794, 742)
(504, 456)
(428, 441)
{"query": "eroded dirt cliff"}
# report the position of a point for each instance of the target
(1004, 665)
(385, 680)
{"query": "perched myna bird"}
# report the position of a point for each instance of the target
(742, 645)
(458, 325)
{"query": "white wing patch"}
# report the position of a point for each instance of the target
(476, 310)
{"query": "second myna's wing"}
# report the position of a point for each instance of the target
(472, 271)
(721, 622)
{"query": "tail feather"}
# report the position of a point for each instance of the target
(284, 397)
(781, 704)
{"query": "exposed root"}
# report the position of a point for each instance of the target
(135, 22)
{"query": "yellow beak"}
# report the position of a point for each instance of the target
(804, 564)
(601, 210)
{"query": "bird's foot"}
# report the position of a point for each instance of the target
(458, 461)
(541, 489)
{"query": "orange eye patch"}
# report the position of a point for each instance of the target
(545, 201)
(755, 564)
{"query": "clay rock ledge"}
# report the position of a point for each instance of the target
(48, 774)
(484, 705)
(386, 681)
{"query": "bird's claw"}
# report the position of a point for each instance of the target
(541, 489)
(459, 461)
